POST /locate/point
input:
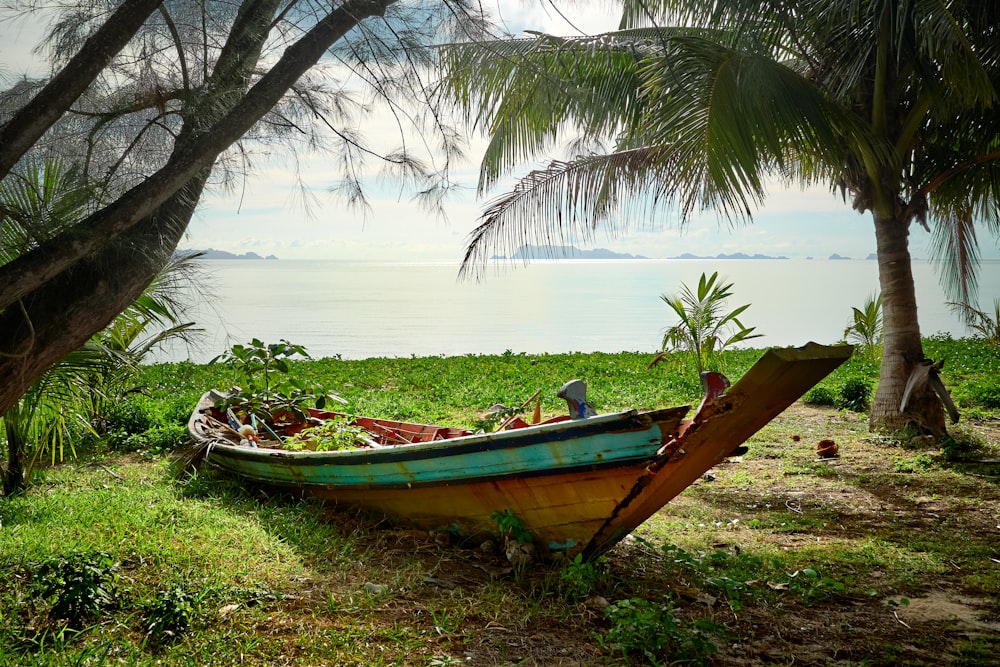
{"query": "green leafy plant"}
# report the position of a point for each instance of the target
(80, 584)
(811, 586)
(580, 577)
(652, 630)
(918, 463)
(704, 329)
(330, 435)
(820, 396)
(268, 390)
(986, 326)
(170, 614)
(962, 445)
(866, 330)
(855, 394)
(511, 527)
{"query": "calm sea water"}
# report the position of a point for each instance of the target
(371, 309)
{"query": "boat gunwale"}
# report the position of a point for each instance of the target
(616, 422)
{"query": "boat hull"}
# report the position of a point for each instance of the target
(577, 486)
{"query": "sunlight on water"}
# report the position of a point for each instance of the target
(370, 309)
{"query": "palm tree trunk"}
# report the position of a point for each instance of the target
(902, 349)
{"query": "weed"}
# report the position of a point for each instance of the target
(811, 587)
(169, 615)
(919, 463)
(820, 396)
(962, 445)
(81, 583)
(330, 435)
(511, 527)
(580, 577)
(269, 386)
(652, 630)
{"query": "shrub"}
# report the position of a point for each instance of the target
(962, 445)
(982, 392)
(135, 414)
(820, 396)
(855, 394)
(169, 615)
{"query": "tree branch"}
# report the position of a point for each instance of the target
(31, 122)
(26, 273)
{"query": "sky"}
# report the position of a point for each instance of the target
(265, 214)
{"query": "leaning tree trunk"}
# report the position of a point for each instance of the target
(50, 309)
(902, 350)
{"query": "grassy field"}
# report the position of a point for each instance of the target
(886, 555)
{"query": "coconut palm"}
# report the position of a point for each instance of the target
(892, 103)
(866, 329)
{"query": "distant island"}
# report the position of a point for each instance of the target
(737, 255)
(528, 252)
(212, 253)
(566, 252)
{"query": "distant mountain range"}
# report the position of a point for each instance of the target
(566, 252)
(572, 252)
(212, 253)
(736, 255)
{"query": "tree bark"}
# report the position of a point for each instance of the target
(902, 349)
(54, 298)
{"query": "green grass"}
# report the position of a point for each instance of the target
(775, 540)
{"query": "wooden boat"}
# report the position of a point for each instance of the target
(577, 484)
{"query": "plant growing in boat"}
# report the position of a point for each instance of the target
(267, 390)
(330, 435)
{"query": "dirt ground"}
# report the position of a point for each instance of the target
(950, 618)
(893, 610)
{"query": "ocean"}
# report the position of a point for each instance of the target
(360, 309)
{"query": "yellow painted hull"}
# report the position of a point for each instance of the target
(578, 485)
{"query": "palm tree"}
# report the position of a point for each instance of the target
(893, 102)
(42, 199)
(704, 328)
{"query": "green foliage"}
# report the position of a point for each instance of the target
(652, 630)
(809, 585)
(579, 578)
(132, 414)
(820, 395)
(855, 394)
(983, 392)
(80, 584)
(961, 445)
(984, 325)
(267, 386)
(330, 435)
(866, 330)
(170, 614)
(704, 329)
(511, 527)
(918, 463)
